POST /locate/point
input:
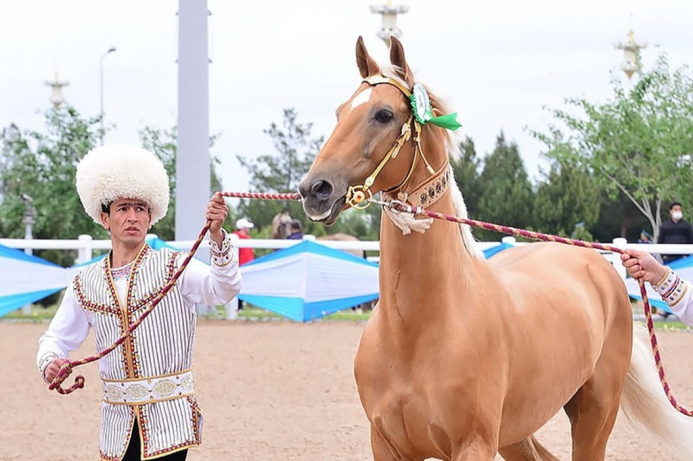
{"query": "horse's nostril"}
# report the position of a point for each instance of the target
(321, 189)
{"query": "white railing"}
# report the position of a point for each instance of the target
(86, 245)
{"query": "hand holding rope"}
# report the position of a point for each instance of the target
(67, 367)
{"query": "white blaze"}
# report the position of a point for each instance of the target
(361, 98)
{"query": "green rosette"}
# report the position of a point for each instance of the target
(421, 105)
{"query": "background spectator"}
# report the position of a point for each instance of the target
(243, 226)
(675, 230)
(296, 230)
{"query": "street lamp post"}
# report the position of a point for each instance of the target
(109, 51)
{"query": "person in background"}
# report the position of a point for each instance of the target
(676, 231)
(645, 237)
(243, 226)
(296, 230)
(676, 292)
(149, 410)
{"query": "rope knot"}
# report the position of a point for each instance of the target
(61, 376)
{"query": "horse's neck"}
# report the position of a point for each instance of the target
(422, 274)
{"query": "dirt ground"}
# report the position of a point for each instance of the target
(268, 390)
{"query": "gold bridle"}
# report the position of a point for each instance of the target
(356, 195)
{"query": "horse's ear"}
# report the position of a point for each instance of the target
(367, 65)
(399, 61)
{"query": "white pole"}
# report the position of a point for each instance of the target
(109, 51)
(616, 257)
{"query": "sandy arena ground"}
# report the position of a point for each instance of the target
(268, 390)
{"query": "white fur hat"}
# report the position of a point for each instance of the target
(110, 172)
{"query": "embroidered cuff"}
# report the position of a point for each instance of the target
(46, 359)
(671, 288)
(223, 256)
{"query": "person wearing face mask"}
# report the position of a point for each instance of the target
(675, 230)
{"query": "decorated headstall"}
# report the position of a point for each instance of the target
(421, 114)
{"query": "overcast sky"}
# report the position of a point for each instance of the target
(497, 63)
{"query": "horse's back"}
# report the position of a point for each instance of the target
(558, 268)
(564, 296)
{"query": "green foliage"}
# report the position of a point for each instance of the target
(506, 195)
(566, 201)
(42, 165)
(466, 171)
(280, 171)
(638, 143)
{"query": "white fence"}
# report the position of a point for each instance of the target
(85, 246)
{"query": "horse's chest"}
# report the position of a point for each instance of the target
(411, 423)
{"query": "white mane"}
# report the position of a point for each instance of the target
(461, 212)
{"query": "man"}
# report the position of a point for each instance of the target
(675, 230)
(296, 230)
(677, 293)
(149, 408)
(243, 226)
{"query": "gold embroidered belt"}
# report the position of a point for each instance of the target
(140, 391)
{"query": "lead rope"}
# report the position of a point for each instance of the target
(67, 367)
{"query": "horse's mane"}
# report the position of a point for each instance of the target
(453, 150)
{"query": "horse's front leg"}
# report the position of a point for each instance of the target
(384, 450)
(475, 448)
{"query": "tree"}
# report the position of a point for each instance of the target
(280, 171)
(42, 166)
(164, 143)
(566, 200)
(638, 143)
(466, 171)
(506, 196)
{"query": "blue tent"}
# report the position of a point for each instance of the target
(302, 282)
(27, 279)
(308, 280)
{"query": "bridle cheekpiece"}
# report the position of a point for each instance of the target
(356, 196)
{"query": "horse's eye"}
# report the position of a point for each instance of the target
(383, 116)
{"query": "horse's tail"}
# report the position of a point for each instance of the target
(646, 405)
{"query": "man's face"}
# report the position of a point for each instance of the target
(128, 220)
(676, 212)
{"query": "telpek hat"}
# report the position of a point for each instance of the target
(243, 224)
(108, 173)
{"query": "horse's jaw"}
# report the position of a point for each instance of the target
(323, 211)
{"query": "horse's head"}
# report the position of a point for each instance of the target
(376, 143)
(281, 225)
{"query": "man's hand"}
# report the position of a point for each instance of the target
(643, 264)
(216, 213)
(52, 369)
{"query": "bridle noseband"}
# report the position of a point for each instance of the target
(356, 195)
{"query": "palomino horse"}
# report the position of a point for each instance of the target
(464, 358)
(281, 225)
